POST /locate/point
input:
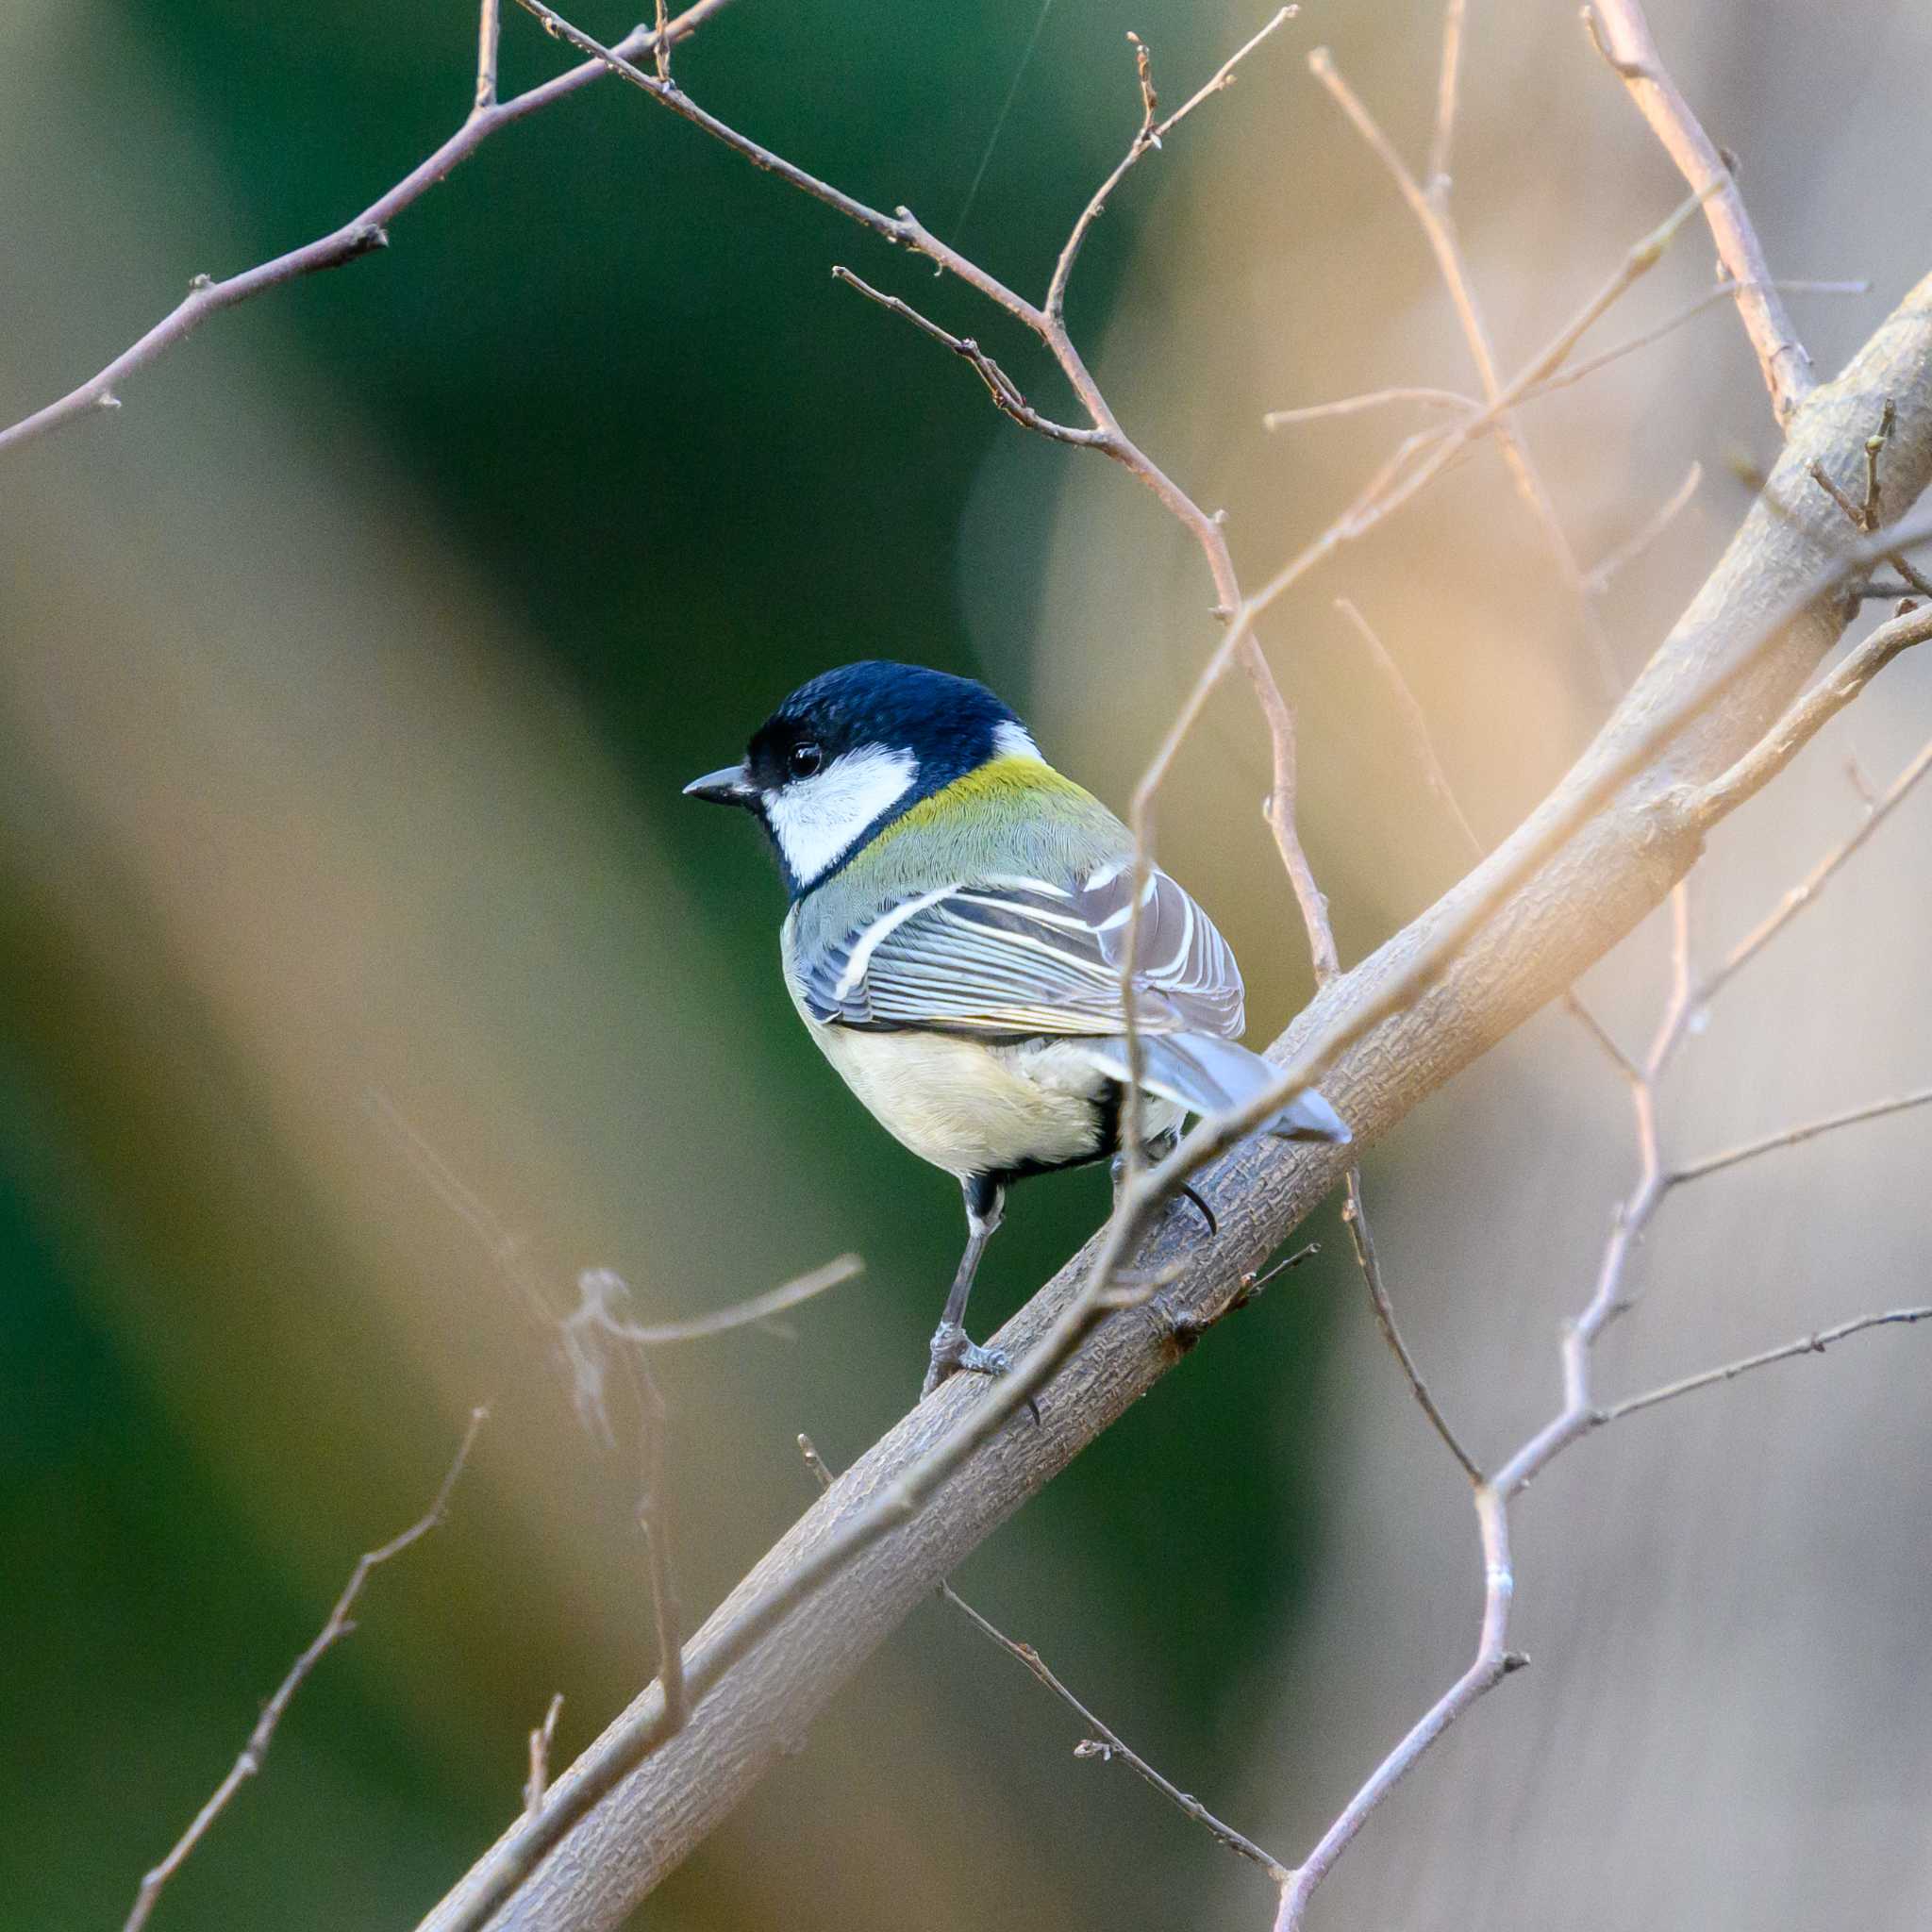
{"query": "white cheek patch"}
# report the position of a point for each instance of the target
(815, 820)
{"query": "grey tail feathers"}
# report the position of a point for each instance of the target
(1209, 1075)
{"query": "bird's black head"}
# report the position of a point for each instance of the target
(848, 753)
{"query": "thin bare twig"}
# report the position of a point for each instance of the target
(1822, 702)
(1448, 85)
(667, 1621)
(1279, 808)
(1725, 292)
(1621, 35)
(1430, 209)
(1868, 517)
(1575, 372)
(489, 34)
(1493, 1661)
(355, 239)
(662, 49)
(1805, 1344)
(1795, 1136)
(1372, 399)
(1105, 1742)
(332, 1632)
(815, 1464)
(1807, 888)
(595, 1309)
(1000, 386)
(591, 1335)
(1356, 1216)
(541, 1738)
(1110, 1742)
(1626, 553)
(1149, 135)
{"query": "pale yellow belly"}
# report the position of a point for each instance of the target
(972, 1108)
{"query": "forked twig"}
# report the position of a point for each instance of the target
(360, 236)
(1580, 1414)
(338, 1626)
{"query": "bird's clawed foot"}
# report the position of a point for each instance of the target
(952, 1351)
(1159, 1150)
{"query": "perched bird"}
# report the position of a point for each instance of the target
(958, 920)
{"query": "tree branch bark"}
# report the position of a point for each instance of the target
(1623, 37)
(1578, 904)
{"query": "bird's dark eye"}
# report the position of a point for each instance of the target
(803, 760)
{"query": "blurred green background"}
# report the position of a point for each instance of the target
(350, 673)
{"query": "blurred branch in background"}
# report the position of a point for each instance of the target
(1564, 378)
(590, 1332)
(1597, 580)
(1431, 210)
(592, 1335)
(338, 1626)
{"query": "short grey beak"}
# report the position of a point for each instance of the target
(731, 786)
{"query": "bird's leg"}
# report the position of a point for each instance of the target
(985, 1202)
(1155, 1150)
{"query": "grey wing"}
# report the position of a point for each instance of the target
(1016, 955)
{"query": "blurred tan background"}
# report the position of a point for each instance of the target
(346, 679)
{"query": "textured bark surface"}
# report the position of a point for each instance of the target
(1611, 873)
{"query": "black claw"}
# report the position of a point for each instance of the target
(1201, 1208)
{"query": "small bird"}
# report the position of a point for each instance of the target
(958, 921)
